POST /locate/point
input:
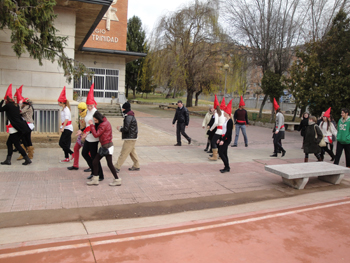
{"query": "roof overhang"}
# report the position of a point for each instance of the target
(88, 15)
(128, 55)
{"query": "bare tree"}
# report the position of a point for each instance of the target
(184, 42)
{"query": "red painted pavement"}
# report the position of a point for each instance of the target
(318, 233)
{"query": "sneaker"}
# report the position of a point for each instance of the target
(189, 141)
(87, 170)
(134, 169)
(233, 145)
(65, 160)
(72, 168)
(246, 145)
(177, 144)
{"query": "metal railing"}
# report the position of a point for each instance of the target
(45, 121)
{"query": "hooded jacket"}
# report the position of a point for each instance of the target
(129, 130)
(103, 132)
(343, 136)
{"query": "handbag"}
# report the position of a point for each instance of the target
(103, 151)
(322, 142)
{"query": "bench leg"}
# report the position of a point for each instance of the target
(333, 179)
(296, 183)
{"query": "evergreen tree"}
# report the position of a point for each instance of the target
(32, 30)
(320, 77)
(135, 42)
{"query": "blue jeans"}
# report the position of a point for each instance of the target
(238, 127)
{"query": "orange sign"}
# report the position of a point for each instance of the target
(111, 31)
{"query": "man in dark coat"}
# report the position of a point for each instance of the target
(182, 117)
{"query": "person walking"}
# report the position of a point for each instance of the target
(90, 146)
(129, 132)
(182, 118)
(328, 131)
(66, 128)
(303, 125)
(218, 123)
(16, 127)
(27, 113)
(278, 131)
(241, 119)
(313, 136)
(206, 120)
(104, 134)
(82, 108)
(226, 137)
(211, 133)
(343, 137)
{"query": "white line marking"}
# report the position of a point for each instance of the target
(169, 233)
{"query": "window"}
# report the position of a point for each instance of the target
(105, 80)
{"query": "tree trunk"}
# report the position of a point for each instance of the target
(197, 95)
(174, 93)
(262, 106)
(295, 112)
(189, 99)
(272, 114)
(257, 101)
(127, 92)
(134, 92)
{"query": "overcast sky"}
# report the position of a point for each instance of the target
(149, 11)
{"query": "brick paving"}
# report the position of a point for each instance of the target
(167, 172)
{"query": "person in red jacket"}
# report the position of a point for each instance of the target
(104, 133)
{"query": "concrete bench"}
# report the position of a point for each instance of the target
(297, 175)
(291, 125)
(163, 106)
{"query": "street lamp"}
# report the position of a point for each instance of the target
(226, 67)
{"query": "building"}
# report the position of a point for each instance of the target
(96, 31)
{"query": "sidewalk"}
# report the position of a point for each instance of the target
(171, 179)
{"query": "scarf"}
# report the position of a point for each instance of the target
(83, 113)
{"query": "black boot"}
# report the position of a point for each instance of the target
(90, 176)
(206, 149)
(283, 152)
(333, 156)
(273, 155)
(7, 161)
(27, 160)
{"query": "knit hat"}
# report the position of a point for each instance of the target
(223, 105)
(216, 102)
(228, 108)
(126, 106)
(8, 92)
(275, 104)
(62, 98)
(241, 102)
(82, 106)
(327, 113)
(90, 99)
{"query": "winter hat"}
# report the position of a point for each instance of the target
(8, 92)
(327, 113)
(126, 106)
(228, 108)
(275, 104)
(62, 98)
(223, 105)
(90, 99)
(241, 102)
(216, 102)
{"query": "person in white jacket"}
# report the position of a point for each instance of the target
(205, 123)
(218, 123)
(328, 129)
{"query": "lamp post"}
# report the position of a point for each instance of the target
(226, 67)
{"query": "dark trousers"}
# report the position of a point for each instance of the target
(14, 139)
(91, 147)
(339, 152)
(214, 140)
(27, 139)
(277, 144)
(327, 150)
(96, 164)
(223, 154)
(180, 129)
(65, 142)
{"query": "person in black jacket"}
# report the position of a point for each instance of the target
(182, 117)
(16, 127)
(303, 125)
(313, 136)
(129, 132)
(226, 139)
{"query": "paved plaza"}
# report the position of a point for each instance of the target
(171, 179)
